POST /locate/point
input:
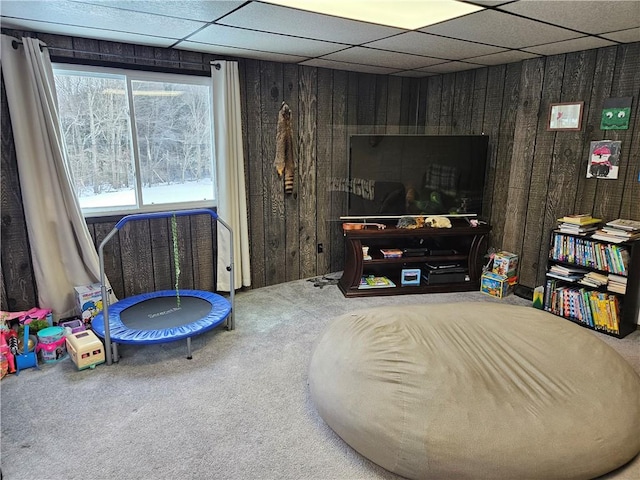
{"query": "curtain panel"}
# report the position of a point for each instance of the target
(61, 247)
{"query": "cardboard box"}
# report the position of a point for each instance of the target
(496, 285)
(89, 301)
(505, 264)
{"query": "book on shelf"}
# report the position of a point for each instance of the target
(391, 252)
(624, 224)
(626, 234)
(617, 283)
(372, 281)
(607, 237)
(576, 229)
(593, 279)
(569, 274)
(579, 219)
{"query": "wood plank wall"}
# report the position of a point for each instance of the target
(534, 175)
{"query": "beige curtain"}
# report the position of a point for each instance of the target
(62, 251)
(232, 203)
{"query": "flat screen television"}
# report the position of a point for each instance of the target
(416, 174)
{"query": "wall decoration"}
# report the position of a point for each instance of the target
(604, 159)
(565, 116)
(616, 113)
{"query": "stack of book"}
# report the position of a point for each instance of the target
(593, 279)
(569, 274)
(578, 224)
(617, 283)
(618, 231)
(391, 252)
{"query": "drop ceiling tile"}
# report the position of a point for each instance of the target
(202, 10)
(624, 36)
(239, 52)
(433, 45)
(503, 57)
(500, 29)
(95, 33)
(289, 21)
(451, 67)
(382, 58)
(584, 43)
(352, 67)
(267, 42)
(586, 16)
(75, 14)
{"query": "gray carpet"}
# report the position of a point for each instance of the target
(239, 410)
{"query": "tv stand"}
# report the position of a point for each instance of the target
(461, 247)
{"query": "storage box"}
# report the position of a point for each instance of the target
(505, 264)
(410, 276)
(496, 285)
(85, 349)
(89, 301)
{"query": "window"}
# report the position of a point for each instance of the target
(136, 141)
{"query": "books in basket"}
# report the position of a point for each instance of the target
(372, 281)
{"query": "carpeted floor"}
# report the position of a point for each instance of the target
(239, 410)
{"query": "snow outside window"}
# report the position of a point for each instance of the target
(136, 141)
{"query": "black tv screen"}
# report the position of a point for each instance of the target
(416, 174)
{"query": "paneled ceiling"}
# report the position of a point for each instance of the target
(496, 32)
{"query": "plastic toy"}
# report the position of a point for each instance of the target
(5, 349)
(26, 359)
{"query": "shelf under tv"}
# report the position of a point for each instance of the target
(468, 241)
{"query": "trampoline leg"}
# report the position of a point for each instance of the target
(115, 352)
(189, 357)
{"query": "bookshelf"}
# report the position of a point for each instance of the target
(594, 283)
(462, 245)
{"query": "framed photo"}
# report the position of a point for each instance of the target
(565, 116)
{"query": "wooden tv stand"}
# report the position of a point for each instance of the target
(461, 245)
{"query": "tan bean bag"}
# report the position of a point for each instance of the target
(476, 390)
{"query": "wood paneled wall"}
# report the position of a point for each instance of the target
(534, 175)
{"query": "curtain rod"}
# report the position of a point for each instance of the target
(15, 43)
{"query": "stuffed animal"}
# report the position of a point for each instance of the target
(437, 222)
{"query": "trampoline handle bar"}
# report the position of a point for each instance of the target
(103, 277)
(177, 213)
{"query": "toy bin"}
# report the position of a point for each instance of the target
(85, 349)
(51, 344)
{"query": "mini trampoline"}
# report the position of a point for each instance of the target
(162, 316)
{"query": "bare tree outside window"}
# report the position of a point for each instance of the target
(136, 143)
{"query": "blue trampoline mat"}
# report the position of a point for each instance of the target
(156, 317)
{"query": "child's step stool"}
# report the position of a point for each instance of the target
(85, 349)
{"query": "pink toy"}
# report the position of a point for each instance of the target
(5, 349)
(26, 316)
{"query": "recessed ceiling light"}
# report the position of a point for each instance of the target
(409, 14)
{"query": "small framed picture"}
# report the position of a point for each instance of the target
(565, 116)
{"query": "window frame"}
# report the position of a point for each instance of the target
(131, 75)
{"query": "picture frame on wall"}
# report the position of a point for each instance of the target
(565, 116)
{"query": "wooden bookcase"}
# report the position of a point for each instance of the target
(461, 244)
(592, 307)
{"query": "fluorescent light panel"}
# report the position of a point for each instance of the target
(408, 14)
